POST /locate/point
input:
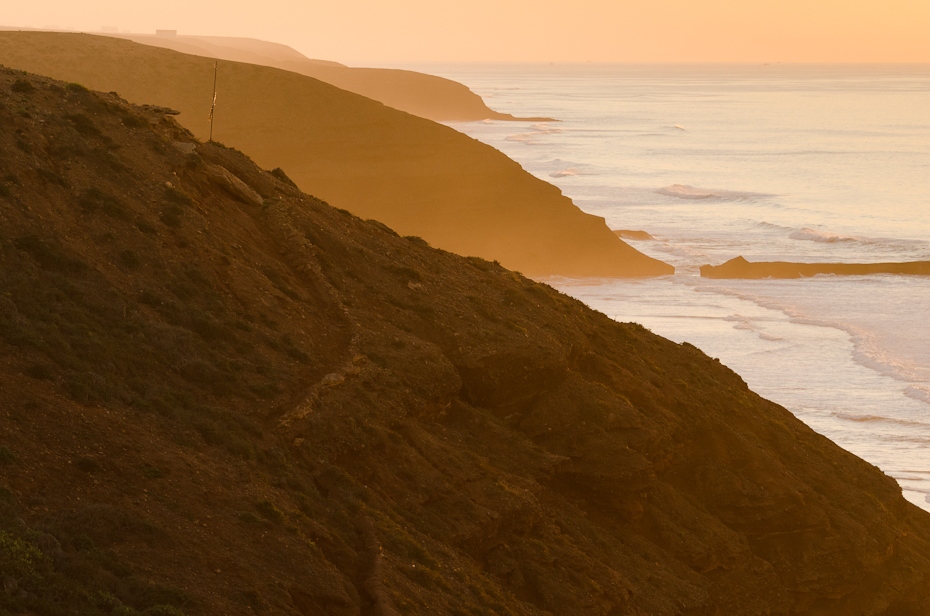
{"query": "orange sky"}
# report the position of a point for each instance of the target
(359, 31)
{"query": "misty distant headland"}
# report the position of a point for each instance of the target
(416, 176)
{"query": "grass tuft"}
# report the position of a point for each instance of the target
(84, 125)
(22, 86)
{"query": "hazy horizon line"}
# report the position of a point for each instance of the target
(388, 63)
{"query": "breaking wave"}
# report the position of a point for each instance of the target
(685, 191)
(902, 249)
(571, 171)
(812, 235)
(522, 137)
(770, 337)
(747, 324)
(545, 129)
(538, 130)
(878, 418)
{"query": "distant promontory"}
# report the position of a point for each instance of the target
(416, 176)
(741, 268)
(427, 96)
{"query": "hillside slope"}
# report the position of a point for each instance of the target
(418, 177)
(219, 395)
(427, 96)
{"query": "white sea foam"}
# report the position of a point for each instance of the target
(570, 172)
(545, 129)
(522, 137)
(885, 244)
(685, 191)
(693, 252)
(813, 235)
(770, 337)
(897, 248)
(745, 324)
(769, 225)
(530, 138)
(880, 419)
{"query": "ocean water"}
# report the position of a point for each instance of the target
(772, 162)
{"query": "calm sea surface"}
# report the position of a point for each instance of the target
(772, 162)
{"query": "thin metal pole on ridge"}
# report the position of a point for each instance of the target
(213, 106)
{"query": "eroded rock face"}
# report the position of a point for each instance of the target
(278, 406)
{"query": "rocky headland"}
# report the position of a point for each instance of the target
(631, 234)
(419, 177)
(739, 267)
(427, 96)
(219, 395)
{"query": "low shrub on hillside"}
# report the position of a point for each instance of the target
(22, 86)
(65, 566)
(173, 351)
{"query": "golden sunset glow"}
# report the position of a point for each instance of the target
(446, 307)
(550, 30)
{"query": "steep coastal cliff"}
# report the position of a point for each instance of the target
(427, 96)
(220, 395)
(418, 177)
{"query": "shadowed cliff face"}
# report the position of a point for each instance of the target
(416, 176)
(220, 395)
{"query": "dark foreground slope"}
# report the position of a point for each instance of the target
(427, 96)
(219, 395)
(418, 177)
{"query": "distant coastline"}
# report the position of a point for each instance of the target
(741, 268)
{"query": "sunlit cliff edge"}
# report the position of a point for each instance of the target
(419, 177)
(427, 96)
